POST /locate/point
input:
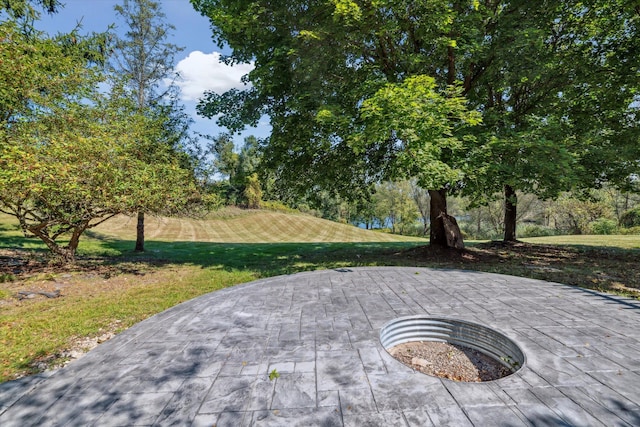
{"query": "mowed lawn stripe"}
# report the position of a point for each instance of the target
(253, 227)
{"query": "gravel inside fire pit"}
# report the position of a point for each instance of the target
(451, 361)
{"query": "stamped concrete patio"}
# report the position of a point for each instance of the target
(207, 361)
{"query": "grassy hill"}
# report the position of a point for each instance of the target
(231, 225)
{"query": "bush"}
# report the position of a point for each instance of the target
(631, 218)
(416, 230)
(534, 230)
(603, 226)
(631, 230)
(277, 206)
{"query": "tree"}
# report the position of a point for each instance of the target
(314, 68)
(574, 215)
(70, 156)
(535, 71)
(240, 181)
(554, 98)
(422, 201)
(394, 206)
(145, 59)
(225, 160)
(19, 9)
(419, 124)
(253, 191)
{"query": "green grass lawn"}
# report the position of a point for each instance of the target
(614, 241)
(111, 288)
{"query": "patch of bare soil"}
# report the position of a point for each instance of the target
(450, 361)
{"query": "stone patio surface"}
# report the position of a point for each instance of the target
(207, 362)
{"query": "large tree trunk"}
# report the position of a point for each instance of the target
(510, 210)
(444, 228)
(437, 206)
(140, 232)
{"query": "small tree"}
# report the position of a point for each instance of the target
(573, 215)
(253, 191)
(423, 202)
(630, 218)
(71, 169)
(394, 206)
(145, 59)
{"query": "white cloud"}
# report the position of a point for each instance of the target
(200, 72)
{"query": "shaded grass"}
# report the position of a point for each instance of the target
(112, 288)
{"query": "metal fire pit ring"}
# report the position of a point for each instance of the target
(459, 332)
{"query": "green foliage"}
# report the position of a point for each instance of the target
(274, 374)
(419, 123)
(603, 226)
(557, 105)
(632, 230)
(225, 159)
(310, 82)
(393, 207)
(25, 8)
(534, 230)
(39, 73)
(573, 216)
(70, 157)
(241, 184)
(87, 171)
(630, 218)
(253, 192)
(277, 206)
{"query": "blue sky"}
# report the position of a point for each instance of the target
(197, 64)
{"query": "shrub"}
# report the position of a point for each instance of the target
(631, 230)
(277, 206)
(631, 218)
(603, 226)
(535, 230)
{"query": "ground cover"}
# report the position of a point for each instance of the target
(110, 288)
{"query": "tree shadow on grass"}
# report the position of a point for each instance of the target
(596, 268)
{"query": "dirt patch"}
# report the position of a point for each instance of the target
(450, 361)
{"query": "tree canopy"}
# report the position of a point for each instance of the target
(555, 85)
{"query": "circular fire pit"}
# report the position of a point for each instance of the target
(483, 346)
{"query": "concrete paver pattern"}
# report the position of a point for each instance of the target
(207, 361)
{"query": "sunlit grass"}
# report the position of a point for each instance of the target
(617, 241)
(113, 288)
